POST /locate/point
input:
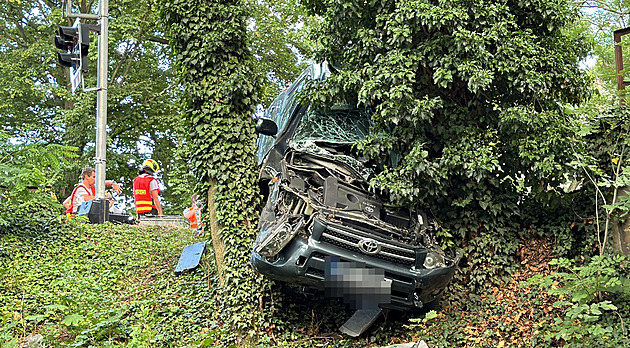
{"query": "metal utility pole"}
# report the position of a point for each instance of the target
(101, 102)
(100, 204)
(621, 83)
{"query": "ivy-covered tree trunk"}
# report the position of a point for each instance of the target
(210, 40)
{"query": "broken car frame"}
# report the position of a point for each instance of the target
(323, 227)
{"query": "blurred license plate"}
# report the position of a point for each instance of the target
(359, 286)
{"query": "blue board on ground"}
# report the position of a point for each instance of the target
(190, 257)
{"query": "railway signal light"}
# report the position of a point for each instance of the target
(75, 41)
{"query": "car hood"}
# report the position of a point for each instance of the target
(330, 150)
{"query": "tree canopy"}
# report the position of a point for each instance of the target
(470, 94)
(144, 96)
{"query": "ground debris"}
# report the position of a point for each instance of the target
(510, 314)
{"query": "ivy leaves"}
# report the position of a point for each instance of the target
(221, 88)
(467, 93)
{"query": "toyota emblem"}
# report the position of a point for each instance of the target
(369, 246)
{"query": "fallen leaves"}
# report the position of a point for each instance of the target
(513, 316)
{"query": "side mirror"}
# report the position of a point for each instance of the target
(266, 126)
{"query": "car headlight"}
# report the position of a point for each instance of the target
(433, 260)
(272, 242)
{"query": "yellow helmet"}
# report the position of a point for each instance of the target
(150, 165)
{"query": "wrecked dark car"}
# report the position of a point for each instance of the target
(322, 226)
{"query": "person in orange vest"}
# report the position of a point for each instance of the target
(193, 214)
(86, 191)
(146, 189)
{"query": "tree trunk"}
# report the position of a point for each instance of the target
(621, 236)
(621, 229)
(215, 228)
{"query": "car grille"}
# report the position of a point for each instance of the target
(349, 240)
(314, 273)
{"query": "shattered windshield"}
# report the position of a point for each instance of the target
(338, 125)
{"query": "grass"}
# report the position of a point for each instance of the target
(104, 285)
(114, 286)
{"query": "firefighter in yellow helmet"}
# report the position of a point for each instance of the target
(146, 190)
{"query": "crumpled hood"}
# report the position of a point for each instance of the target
(311, 147)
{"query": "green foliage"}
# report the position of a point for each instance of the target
(603, 158)
(144, 118)
(279, 40)
(33, 164)
(36, 103)
(221, 86)
(39, 213)
(467, 92)
(8, 323)
(81, 285)
(589, 296)
(603, 274)
(606, 17)
(27, 71)
(144, 114)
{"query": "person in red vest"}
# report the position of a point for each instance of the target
(86, 191)
(146, 190)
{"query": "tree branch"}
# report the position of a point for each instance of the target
(7, 41)
(138, 38)
(158, 40)
(124, 75)
(169, 87)
(20, 29)
(122, 60)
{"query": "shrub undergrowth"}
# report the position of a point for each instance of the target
(82, 285)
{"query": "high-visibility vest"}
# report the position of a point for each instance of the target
(91, 189)
(142, 193)
(191, 215)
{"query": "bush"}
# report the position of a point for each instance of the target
(591, 299)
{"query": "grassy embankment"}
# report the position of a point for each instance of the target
(114, 286)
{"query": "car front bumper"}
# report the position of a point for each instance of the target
(303, 261)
